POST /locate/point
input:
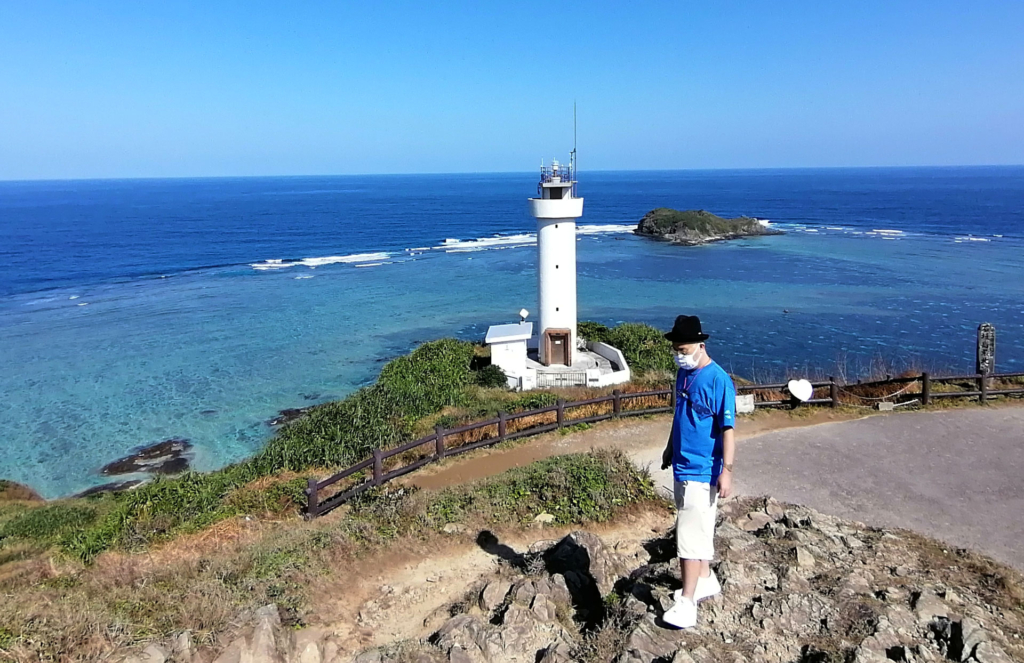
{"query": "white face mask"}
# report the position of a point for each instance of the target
(688, 362)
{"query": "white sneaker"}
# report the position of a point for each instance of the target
(682, 615)
(706, 588)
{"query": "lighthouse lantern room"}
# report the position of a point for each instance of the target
(556, 209)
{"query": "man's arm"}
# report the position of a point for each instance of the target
(728, 456)
(667, 454)
(727, 410)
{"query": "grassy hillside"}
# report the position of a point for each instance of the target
(436, 384)
(56, 609)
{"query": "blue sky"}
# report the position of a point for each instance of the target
(153, 89)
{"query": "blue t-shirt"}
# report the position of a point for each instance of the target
(705, 407)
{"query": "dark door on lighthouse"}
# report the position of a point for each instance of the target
(558, 347)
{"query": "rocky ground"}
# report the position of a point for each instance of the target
(799, 586)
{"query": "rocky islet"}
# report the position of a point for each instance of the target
(694, 227)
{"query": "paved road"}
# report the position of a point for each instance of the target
(957, 475)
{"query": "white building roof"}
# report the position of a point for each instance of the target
(509, 333)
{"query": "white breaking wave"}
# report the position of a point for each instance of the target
(598, 229)
(888, 232)
(313, 263)
(484, 243)
(449, 245)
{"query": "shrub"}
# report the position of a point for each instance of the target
(643, 346)
(447, 421)
(432, 377)
(532, 401)
(47, 523)
(574, 488)
(491, 376)
(594, 332)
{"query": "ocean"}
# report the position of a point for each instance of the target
(133, 311)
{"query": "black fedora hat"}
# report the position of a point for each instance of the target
(686, 330)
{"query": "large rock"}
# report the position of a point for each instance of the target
(521, 638)
(16, 492)
(493, 594)
(167, 457)
(587, 557)
(265, 640)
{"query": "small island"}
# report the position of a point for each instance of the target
(695, 227)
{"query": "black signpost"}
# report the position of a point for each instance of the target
(986, 363)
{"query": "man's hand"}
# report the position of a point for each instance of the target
(725, 484)
(666, 457)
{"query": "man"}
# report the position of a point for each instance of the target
(700, 450)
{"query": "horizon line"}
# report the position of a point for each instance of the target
(497, 172)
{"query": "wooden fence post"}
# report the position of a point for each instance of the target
(502, 425)
(983, 388)
(833, 391)
(616, 402)
(672, 397)
(378, 467)
(439, 450)
(560, 412)
(926, 389)
(312, 501)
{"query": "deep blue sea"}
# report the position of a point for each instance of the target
(134, 311)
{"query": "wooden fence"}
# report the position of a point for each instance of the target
(629, 404)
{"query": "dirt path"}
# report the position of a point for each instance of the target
(634, 436)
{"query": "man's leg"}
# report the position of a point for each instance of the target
(689, 569)
(705, 568)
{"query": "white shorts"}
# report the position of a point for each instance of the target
(696, 510)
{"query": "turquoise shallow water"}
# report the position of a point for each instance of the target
(95, 364)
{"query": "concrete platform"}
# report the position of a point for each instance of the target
(585, 360)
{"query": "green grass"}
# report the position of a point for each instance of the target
(47, 524)
(574, 488)
(432, 377)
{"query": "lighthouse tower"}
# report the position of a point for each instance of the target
(556, 209)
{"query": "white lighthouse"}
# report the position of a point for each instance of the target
(556, 209)
(561, 358)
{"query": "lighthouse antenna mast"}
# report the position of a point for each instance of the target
(572, 160)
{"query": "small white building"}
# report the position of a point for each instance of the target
(508, 352)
